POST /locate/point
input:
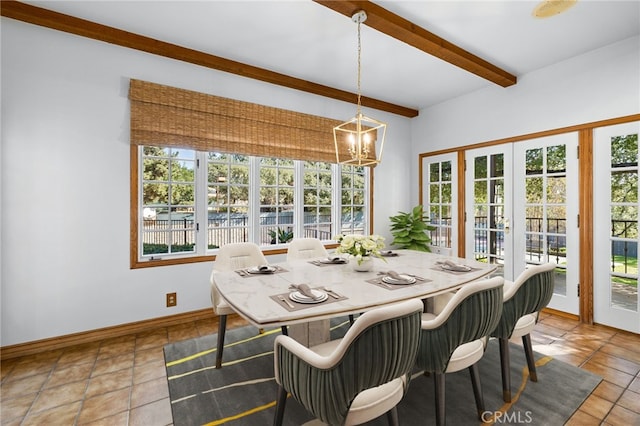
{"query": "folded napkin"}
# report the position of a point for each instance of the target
(335, 259)
(452, 266)
(305, 290)
(396, 276)
(388, 253)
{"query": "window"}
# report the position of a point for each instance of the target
(317, 221)
(440, 203)
(168, 200)
(190, 203)
(354, 190)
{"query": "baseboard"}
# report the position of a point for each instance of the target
(60, 342)
(560, 314)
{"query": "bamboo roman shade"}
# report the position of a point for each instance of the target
(167, 116)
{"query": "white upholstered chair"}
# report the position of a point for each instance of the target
(357, 378)
(523, 300)
(230, 257)
(456, 338)
(305, 248)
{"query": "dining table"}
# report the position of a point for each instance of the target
(267, 298)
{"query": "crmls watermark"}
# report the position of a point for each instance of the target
(517, 417)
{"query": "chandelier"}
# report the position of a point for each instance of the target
(355, 140)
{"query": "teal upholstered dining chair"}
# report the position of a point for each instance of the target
(305, 248)
(357, 378)
(456, 338)
(230, 257)
(523, 300)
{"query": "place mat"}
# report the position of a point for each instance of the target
(318, 263)
(439, 269)
(245, 274)
(298, 306)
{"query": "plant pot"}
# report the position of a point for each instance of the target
(365, 265)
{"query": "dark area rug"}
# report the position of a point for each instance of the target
(243, 392)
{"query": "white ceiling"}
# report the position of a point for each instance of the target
(306, 40)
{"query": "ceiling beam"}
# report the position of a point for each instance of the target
(70, 24)
(401, 29)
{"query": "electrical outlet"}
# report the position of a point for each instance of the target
(172, 299)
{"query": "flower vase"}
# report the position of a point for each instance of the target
(365, 265)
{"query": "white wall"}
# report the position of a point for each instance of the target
(598, 85)
(65, 181)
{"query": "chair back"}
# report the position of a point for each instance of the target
(530, 293)
(379, 347)
(231, 257)
(305, 248)
(238, 255)
(472, 313)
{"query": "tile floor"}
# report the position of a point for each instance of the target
(122, 381)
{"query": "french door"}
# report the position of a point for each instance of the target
(616, 223)
(522, 209)
(440, 200)
(488, 201)
(546, 211)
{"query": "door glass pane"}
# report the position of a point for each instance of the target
(533, 161)
(546, 210)
(488, 191)
(440, 201)
(624, 222)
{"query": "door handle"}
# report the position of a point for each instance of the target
(506, 226)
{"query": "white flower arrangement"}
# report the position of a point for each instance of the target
(360, 246)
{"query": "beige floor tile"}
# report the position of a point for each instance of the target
(155, 413)
(631, 401)
(105, 405)
(109, 365)
(120, 419)
(15, 408)
(109, 382)
(60, 415)
(80, 354)
(61, 395)
(69, 373)
(149, 371)
(23, 386)
(620, 416)
(596, 406)
(116, 349)
(150, 391)
(608, 391)
(609, 374)
(146, 356)
(620, 364)
(580, 418)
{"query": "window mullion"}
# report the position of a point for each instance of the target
(336, 198)
(254, 197)
(201, 207)
(298, 199)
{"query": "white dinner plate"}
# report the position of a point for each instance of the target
(267, 269)
(296, 296)
(406, 279)
(339, 260)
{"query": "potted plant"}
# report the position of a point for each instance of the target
(281, 236)
(409, 230)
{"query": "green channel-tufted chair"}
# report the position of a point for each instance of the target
(523, 300)
(305, 248)
(357, 378)
(456, 338)
(230, 257)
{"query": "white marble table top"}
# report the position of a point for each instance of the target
(250, 296)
